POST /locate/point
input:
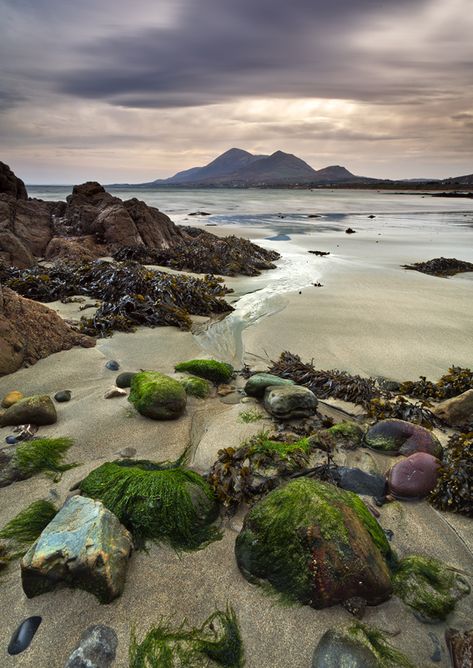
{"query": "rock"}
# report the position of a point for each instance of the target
(257, 384)
(413, 477)
(290, 401)
(30, 331)
(315, 543)
(350, 231)
(429, 587)
(23, 635)
(11, 184)
(457, 411)
(80, 249)
(224, 390)
(124, 379)
(11, 440)
(127, 452)
(347, 435)
(114, 392)
(356, 606)
(84, 546)
(96, 649)
(11, 398)
(336, 650)
(213, 370)
(356, 480)
(63, 396)
(157, 396)
(460, 647)
(112, 365)
(400, 437)
(38, 409)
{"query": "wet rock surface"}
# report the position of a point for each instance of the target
(400, 437)
(336, 650)
(96, 649)
(288, 402)
(38, 409)
(414, 477)
(256, 385)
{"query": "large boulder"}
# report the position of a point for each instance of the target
(157, 396)
(399, 437)
(315, 543)
(457, 411)
(257, 384)
(11, 184)
(30, 331)
(414, 477)
(84, 546)
(38, 409)
(289, 401)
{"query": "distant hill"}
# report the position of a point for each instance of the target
(466, 180)
(238, 168)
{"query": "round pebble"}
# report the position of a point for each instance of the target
(112, 365)
(124, 379)
(11, 440)
(63, 395)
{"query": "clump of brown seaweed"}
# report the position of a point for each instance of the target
(324, 384)
(131, 294)
(451, 384)
(400, 408)
(454, 489)
(205, 253)
(441, 266)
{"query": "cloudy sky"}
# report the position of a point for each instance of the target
(119, 91)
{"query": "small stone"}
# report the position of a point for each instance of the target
(38, 410)
(413, 477)
(289, 401)
(124, 379)
(257, 384)
(96, 649)
(127, 452)
(23, 635)
(11, 398)
(360, 482)
(112, 365)
(356, 606)
(114, 392)
(63, 395)
(11, 440)
(350, 231)
(436, 656)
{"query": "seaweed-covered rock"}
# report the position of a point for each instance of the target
(157, 396)
(19, 462)
(217, 372)
(460, 647)
(156, 501)
(429, 587)
(11, 398)
(441, 266)
(84, 546)
(195, 386)
(317, 544)
(346, 435)
(457, 411)
(291, 401)
(96, 649)
(400, 437)
(257, 384)
(38, 409)
(413, 477)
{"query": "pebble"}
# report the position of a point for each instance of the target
(124, 379)
(24, 634)
(127, 452)
(114, 392)
(11, 398)
(112, 365)
(11, 440)
(63, 395)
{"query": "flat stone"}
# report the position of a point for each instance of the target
(38, 409)
(11, 398)
(413, 477)
(289, 401)
(257, 384)
(360, 482)
(114, 392)
(97, 648)
(84, 546)
(457, 411)
(401, 437)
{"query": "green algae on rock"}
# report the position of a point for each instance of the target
(317, 544)
(216, 643)
(157, 501)
(347, 435)
(28, 524)
(195, 387)
(37, 409)
(454, 489)
(400, 437)
(429, 587)
(386, 655)
(217, 372)
(157, 396)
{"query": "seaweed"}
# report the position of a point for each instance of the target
(324, 384)
(195, 387)
(42, 454)
(27, 526)
(251, 415)
(131, 294)
(451, 384)
(372, 638)
(417, 412)
(454, 489)
(157, 501)
(202, 252)
(217, 372)
(441, 266)
(216, 642)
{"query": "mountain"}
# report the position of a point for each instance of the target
(238, 168)
(466, 180)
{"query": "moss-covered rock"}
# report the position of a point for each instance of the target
(196, 387)
(38, 409)
(347, 434)
(217, 372)
(315, 543)
(400, 437)
(257, 384)
(157, 396)
(285, 402)
(429, 587)
(156, 501)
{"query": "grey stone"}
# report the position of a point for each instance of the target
(360, 482)
(124, 379)
(84, 546)
(290, 401)
(96, 649)
(257, 384)
(63, 396)
(336, 650)
(38, 409)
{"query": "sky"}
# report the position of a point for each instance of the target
(120, 91)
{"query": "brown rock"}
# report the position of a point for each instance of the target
(83, 249)
(11, 184)
(413, 477)
(11, 398)
(460, 647)
(457, 411)
(37, 410)
(30, 331)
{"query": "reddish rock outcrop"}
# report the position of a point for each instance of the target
(30, 331)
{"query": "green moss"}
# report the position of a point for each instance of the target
(27, 526)
(251, 415)
(261, 444)
(156, 501)
(428, 586)
(42, 454)
(216, 643)
(195, 387)
(349, 431)
(374, 640)
(271, 544)
(157, 396)
(217, 372)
